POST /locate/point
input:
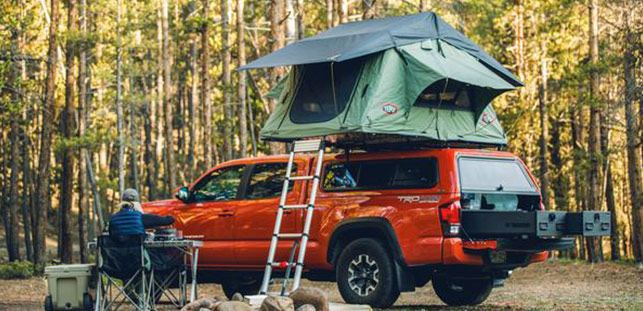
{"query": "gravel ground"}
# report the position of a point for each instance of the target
(557, 285)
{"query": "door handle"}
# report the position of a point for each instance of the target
(226, 213)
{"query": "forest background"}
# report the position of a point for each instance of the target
(101, 95)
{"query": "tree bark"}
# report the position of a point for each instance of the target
(205, 86)
(48, 113)
(192, 100)
(343, 11)
(170, 166)
(83, 194)
(68, 132)
(544, 132)
(633, 157)
(594, 128)
(277, 42)
(291, 31)
(119, 104)
(241, 86)
(329, 14)
(301, 14)
(228, 140)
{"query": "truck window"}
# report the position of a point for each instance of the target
(496, 184)
(493, 175)
(221, 185)
(267, 180)
(394, 174)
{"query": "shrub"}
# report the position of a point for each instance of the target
(17, 270)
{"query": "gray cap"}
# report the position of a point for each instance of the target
(130, 195)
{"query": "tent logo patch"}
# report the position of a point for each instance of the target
(487, 118)
(389, 108)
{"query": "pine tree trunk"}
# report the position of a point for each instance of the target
(14, 252)
(192, 100)
(301, 14)
(633, 157)
(290, 21)
(226, 14)
(170, 166)
(277, 35)
(241, 86)
(343, 11)
(329, 14)
(83, 193)
(542, 105)
(68, 131)
(594, 130)
(205, 87)
(48, 113)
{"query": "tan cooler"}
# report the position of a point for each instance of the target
(68, 287)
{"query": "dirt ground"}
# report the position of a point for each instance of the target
(557, 285)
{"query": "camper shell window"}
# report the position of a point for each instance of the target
(416, 173)
(314, 101)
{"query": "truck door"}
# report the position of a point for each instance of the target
(255, 214)
(209, 212)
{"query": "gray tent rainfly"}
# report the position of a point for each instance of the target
(406, 75)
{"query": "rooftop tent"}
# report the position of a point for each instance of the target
(429, 87)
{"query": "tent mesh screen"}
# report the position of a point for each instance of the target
(314, 100)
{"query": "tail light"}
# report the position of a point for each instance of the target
(450, 218)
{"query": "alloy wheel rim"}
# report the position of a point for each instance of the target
(363, 275)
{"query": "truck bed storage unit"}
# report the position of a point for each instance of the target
(536, 224)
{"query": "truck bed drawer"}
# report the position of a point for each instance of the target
(498, 224)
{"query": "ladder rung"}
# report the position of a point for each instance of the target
(301, 177)
(290, 235)
(307, 145)
(295, 206)
(279, 264)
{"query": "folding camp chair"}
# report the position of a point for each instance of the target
(124, 274)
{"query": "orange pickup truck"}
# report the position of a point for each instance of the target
(384, 222)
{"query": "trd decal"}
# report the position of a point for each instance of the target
(419, 199)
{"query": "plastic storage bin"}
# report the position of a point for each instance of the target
(68, 287)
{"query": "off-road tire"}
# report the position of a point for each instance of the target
(462, 292)
(359, 286)
(249, 285)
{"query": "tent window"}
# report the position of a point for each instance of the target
(314, 99)
(446, 94)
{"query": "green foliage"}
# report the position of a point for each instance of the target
(18, 270)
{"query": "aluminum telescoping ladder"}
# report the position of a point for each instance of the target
(301, 239)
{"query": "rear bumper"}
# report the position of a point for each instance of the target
(518, 253)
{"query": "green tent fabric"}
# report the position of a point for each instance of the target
(353, 40)
(428, 89)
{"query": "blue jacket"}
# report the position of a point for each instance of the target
(126, 222)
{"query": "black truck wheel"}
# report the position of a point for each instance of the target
(245, 285)
(365, 274)
(462, 292)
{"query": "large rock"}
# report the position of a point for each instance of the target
(277, 303)
(203, 303)
(310, 296)
(237, 297)
(306, 307)
(233, 306)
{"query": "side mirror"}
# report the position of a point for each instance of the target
(182, 194)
